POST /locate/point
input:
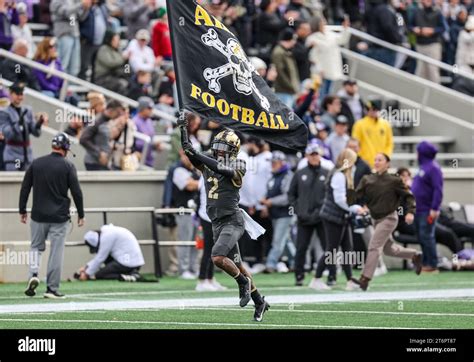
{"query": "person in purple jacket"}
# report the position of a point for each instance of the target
(8, 17)
(46, 54)
(428, 191)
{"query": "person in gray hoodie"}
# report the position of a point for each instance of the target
(66, 15)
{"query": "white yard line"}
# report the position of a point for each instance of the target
(231, 301)
(295, 310)
(203, 324)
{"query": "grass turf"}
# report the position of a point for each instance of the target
(443, 314)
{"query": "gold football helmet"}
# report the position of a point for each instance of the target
(228, 142)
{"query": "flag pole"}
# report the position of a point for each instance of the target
(173, 47)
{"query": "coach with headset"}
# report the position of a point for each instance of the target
(51, 177)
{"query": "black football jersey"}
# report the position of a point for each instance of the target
(222, 191)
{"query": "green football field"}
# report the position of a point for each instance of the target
(399, 299)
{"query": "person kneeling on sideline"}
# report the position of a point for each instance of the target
(118, 249)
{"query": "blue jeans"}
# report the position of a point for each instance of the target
(286, 98)
(69, 51)
(324, 90)
(281, 239)
(426, 236)
(383, 55)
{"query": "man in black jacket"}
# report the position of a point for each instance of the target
(51, 177)
(306, 195)
(382, 23)
(17, 72)
(301, 51)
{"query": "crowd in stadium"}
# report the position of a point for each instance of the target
(291, 47)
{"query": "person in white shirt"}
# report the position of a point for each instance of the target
(141, 56)
(118, 249)
(23, 31)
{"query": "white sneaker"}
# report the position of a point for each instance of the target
(257, 268)
(282, 268)
(380, 271)
(187, 275)
(318, 284)
(205, 286)
(350, 286)
(217, 285)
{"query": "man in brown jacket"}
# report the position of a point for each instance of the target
(287, 82)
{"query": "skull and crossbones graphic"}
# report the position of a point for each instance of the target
(238, 66)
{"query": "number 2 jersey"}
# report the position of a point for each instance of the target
(222, 191)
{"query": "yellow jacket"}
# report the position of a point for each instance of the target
(374, 135)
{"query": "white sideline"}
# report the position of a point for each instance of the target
(231, 301)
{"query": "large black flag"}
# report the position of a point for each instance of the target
(217, 81)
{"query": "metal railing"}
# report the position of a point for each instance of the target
(80, 112)
(153, 212)
(69, 78)
(408, 52)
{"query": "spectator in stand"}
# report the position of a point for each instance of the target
(46, 54)
(96, 103)
(109, 70)
(17, 72)
(325, 54)
(332, 107)
(193, 122)
(428, 25)
(145, 125)
(373, 133)
(301, 51)
(465, 50)
(382, 23)
(137, 15)
(287, 82)
(140, 85)
(139, 54)
(338, 139)
(75, 127)
(8, 17)
(298, 6)
(276, 200)
(67, 31)
(268, 25)
(23, 31)
(352, 105)
(168, 82)
(160, 37)
(321, 138)
(122, 142)
(17, 124)
(428, 191)
(269, 75)
(306, 195)
(95, 138)
(92, 30)
(455, 28)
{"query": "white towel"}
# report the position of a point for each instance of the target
(253, 228)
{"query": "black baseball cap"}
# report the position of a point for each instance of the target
(375, 104)
(341, 119)
(349, 82)
(17, 88)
